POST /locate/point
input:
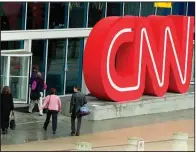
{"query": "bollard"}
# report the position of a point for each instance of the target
(179, 141)
(83, 146)
(135, 144)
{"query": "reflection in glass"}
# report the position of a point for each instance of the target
(147, 8)
(38, 58)
(4, 61)
(18, 77)
(11, 45)
(56, 65)
(163, 11)
(58, 15)
(37, 15)
(113, 9)
(18, 66)
(96, 12)
(77, 14)
(18, 87)
(191, 9)
(132, 8)
(73, 60)
(179, 8)
(12, 15)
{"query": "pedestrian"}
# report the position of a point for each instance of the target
(34, 74)
(78, 100)
(37, 88)
(7, 106)
(53, 104)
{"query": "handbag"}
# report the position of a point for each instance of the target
(45, 110)
(84, 111)
(12, 121)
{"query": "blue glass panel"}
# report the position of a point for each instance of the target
(147, 8)
(38, 58)
(96, 12)
(11, 45)
(191, 8)
(56, 65)
(163, 11)
(179, 8)
(73, 75)
(77, 14)
(58, 19)
(12, 15)
(37, 15)
(132, 8)
(113, 8)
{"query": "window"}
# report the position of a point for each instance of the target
(37, 15)
(38, 57)
(191, 9)
(12, 15)
(113, 9)
(58, 15)
(147, 8)
(179, 8)
(96, 12)
(56, 65)
(77, 15)
(132, 8)
(11, 45)
(163, 11)
(74, 73)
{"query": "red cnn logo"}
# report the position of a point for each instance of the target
(126, 57)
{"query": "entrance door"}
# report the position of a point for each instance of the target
(15, 74)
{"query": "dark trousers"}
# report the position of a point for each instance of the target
(5, 120)
(79, 120)
(54, 119)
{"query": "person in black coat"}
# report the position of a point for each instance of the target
(78, 100)
(7, 106)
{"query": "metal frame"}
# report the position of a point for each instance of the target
(26, 5)
(8, 76)
(140, 10)
(65, 75)
(123, 8)
(187, 7)
(87, 14)
(106, 9)
(46, 49)
(45, 34)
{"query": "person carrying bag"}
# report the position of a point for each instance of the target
(77, 110)
(53, 106)
(7, 107)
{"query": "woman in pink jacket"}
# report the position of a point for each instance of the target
(53, 104)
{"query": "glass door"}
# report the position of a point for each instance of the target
(4, 71)
(16, 74)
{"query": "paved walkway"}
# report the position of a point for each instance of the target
(29, 126)
(157, 137)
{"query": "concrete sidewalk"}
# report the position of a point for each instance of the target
(157, 137)
(29, 126)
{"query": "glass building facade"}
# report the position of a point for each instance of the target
(59, 58)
